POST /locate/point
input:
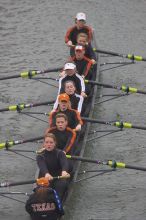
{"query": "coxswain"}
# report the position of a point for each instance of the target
(82, 39)
(76, 100)
(74, 119)
(69, 73)
(79, 27)
(65, 136)
(52, 162)
(44, 203)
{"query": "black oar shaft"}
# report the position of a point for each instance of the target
(92, 120)
(21, 106)
(110, 163)
(30, 74)
(8, 144)
(135, 167)
(129, 56)
(123, 88)
(7, 184)
(83, 159)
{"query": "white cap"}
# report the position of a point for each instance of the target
(81, 16)
(69, 66)
(79, 47)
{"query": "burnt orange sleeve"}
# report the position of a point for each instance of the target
(67, 35)
(72, 141)
(79, 117)
(88, 66)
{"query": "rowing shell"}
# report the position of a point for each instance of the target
(83, 136)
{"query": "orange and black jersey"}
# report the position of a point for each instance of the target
(76, 78)
(65, 139)
(73, 118)
(84, 66)
(73, 32)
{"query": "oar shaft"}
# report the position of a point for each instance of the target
(32, 73)
(8, 144)
(93, 120)
(122, 88)
(129, 56)
(110, 163)
(83, 159)
(7, 184)
(25, 105)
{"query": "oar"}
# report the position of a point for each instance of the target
(122, 88)
(110, 163)
(21, 106)
(8, 144)
(7, 184)
(31, 73)
(129, 56)
(117, 124)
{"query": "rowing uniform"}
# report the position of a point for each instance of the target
(73, 32)
(76, 78)
(65, 139)
(84, 66)
(76, 101)
(46, 207)
(73, 117)
(54, 162)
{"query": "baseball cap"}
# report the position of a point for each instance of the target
(63, 97)
(69, 66)
(81, 16)
(42, 182)
(79, 47)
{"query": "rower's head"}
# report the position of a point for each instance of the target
(49, 142)
(70, 68)
(69, 87)
(64, 101)
(61, 121)
(79, 52)
(80, 20)
(82, 39)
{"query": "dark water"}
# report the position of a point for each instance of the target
(32, 37)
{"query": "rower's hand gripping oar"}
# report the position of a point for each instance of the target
(123, 88)
(129, 56)
(31, 73)
(8, 184)
(111, 163)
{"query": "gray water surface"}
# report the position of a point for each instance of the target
(32, 37)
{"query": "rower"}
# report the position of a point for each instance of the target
(74, 119)
(76, 100)
(79, 27)
(82, 39)
(69, 73)
(65, 136)
(44, 202)
(83, 64)
(53, 162)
